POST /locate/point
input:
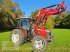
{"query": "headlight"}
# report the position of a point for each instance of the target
(48, 32)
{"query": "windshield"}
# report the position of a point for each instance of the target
(23, 22)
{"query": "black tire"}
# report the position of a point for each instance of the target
(19, 34)
(44, 42)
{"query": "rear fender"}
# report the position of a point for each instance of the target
(23, 31)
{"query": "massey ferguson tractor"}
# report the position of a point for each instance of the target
(35, 33)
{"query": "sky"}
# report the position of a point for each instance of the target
(29, 6)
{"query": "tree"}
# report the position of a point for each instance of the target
(49, 22)
(9, 12)
(34, 14)
(63, 21)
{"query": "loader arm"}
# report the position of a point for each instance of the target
(51, 11)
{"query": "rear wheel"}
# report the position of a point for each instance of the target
(17, 37)
(38, 43)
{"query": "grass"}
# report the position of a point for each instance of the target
(61, 42)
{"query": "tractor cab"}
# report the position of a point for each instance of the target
(24, 23)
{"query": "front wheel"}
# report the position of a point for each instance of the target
(39, 43)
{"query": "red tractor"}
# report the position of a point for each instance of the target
(26, 31)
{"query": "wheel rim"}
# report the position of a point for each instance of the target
(15, 37)
(39, 44)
